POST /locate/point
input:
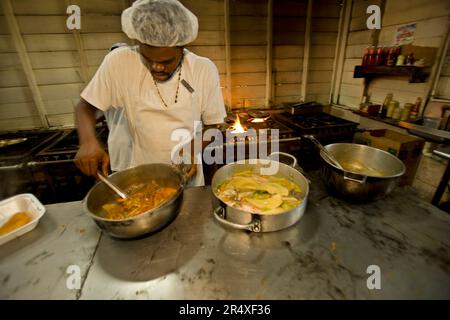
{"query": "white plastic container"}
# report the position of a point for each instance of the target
(25, 202)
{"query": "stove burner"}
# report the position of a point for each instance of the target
(318, 123)
(268, 123)
(20, 145)
(324, 127)
(66, 147)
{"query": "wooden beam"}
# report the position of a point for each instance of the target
(24, 60)
(269, 52)
(342, 43)
(336, 51)
(306, 50)
(227, 53)
(84, 66)
(441, 58)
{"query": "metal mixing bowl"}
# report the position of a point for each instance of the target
(147, 222)
(370, 173)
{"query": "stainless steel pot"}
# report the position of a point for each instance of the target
(369, 174)
(150, 221)
(255, 222)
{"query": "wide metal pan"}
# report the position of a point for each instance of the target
(257, 222)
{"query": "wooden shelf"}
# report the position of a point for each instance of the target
(414, 73)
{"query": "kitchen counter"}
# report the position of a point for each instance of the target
(324, 256)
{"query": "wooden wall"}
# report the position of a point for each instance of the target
(443, 85)
(324, 31)
(55, 59)
(432, 19)
(63, 61)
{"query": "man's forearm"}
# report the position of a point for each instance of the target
(85, 121)
(204, 143)
(205, 128)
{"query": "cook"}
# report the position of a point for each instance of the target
(160, 84)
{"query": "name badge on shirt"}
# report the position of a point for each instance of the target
(187, 86)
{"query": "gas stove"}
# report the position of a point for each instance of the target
(257, 134)
(55, 175)
(317, 123)
(257, 121)
(324, 127)
(65, 148)
(19, 146)
(17, 150)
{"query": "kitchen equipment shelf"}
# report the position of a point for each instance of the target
(414, 73)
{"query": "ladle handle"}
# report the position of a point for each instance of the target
(324, 151)
(112, 186)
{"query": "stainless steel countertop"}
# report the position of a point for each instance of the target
(435, 135)
(324, 256)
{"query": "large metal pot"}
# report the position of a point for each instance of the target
(369, 174)
(147, 222)
(255, 222)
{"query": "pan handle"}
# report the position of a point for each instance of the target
(362, 180)
(219, 214)
(294, 159)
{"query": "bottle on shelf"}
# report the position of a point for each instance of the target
(365, 56)
(364, 105)
(392, 106)
(410, 59)
(397, 114)
(406, 111)
(397, 51)
(390, 61)
(371, 61)
(385, 55)
(379, 59)
(414, 113)
(385, 106)
(400, 60)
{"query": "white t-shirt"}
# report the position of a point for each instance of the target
(122, 80)
(120, 147)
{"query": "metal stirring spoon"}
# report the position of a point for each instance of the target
(325, 151)
(111, 185)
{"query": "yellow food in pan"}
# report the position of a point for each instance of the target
(261, 194)
(16, 221)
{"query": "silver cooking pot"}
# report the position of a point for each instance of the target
(255, 222)
(163, 174)
(369, 174)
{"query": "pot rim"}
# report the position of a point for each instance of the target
(162, 204)
(366, 175)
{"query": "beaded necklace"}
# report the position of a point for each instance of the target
(178, 84)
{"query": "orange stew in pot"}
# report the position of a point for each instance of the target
(142, 199)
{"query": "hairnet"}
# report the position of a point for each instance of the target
(160, 23)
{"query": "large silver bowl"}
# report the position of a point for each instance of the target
(370, 173)
(147, 222)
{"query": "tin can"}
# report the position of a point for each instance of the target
(392, 106)
(406, 111)
(396, 115)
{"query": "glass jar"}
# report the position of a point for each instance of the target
(392, 106)
(385, 106)
(406, 111)
(400, 60)
(397, 114)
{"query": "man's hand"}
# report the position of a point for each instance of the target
(191, 172)
(90, 154)
(88, 158)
